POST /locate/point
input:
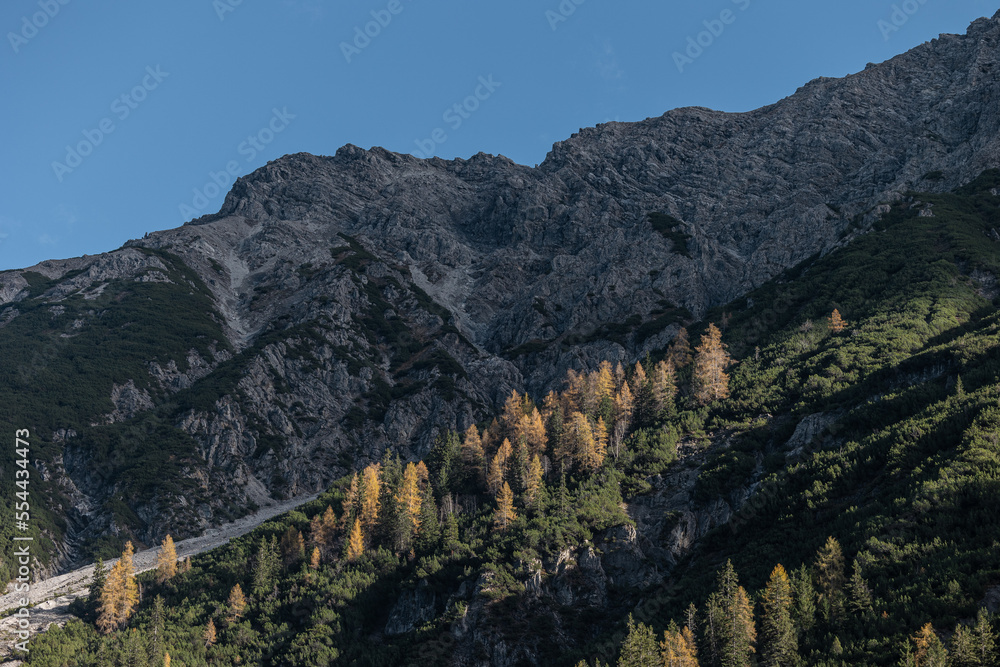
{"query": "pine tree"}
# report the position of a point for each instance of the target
(120, 593)
(505, 508)
(639, 648)
(830, 577)
(963, 649)
(711, 383)
(355, 541)
(166, 560)
(737, 632)
(237, 602)
(804, 595)
(473, 457)
(352, 505)
(984, 640)
(293, 546)
(533, 480)
(97, 583)
(449, 534)
(209, 634)
(780, 645)
(861, 595)
(712, 630)
(265, 566)
(156, 628)
(837, 323)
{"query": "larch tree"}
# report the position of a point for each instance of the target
(837, 323)
(498, 467)
(505, 508)
(166, 560)
(410, 497)
(677, 648)
(166, 660)
(351, 505)
(315, 558)
(679, 353)
(237, 602)
(531, 431)
(355, 541)
(580, 442)
(928, 651)
(664, 388)
(293, 546)
(533, 480)
(711, 383)
(780, 644)
(120, 593)
(596, 457)
(369, 492)
(511, 415)
(209, 635)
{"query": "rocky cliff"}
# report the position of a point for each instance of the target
(337, 306)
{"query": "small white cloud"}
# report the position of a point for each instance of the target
(47, 239)
(607, 63)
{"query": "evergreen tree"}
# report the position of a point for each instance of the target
(449, 535)
(984, 640)
(505, 508)
(861, 595)
(120, 593)
(473, 457)
(97, 583)
(711, 383)
(780, 645)
(830, 577)
(265, 566)
(429, 532)
(664, 388)
(166, 560)
(156, 628)
(639, 648)
(237, 602)
(737, 633)
(804, 595)
(712, 629)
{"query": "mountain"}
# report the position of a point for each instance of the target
(339, 306)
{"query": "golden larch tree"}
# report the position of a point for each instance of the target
(371, 487)
(678, 647)
(166, 660)
(166, 560)
(237, 602)
(498, 467)
(531, 431)
(409, 497)
(350, 506)
(473, 456)
(679, 353)
(533, 479)
(664, 385)
(209, 635)
(120, 593)
(580, 440)
(711, 383)
(314, 559)
(837, 323)
(355, 541)
(596, 456)
(505, 508)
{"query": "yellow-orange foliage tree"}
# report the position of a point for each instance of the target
(120, 593)
(355, 541)
(678, 648)
(166, 560)
(711, 383)
(837, 323)
(505, 508)
(369, 492)
(237, 602)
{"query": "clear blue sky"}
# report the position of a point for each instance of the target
(183, 86)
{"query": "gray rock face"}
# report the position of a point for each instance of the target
(377, 299)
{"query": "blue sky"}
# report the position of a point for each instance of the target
(125, 117)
